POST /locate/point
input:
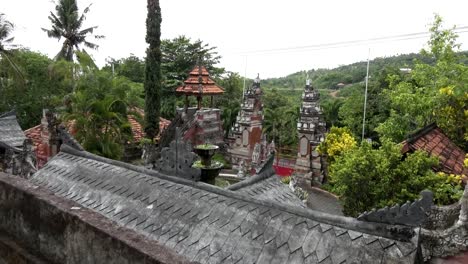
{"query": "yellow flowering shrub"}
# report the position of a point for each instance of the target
(337, 141)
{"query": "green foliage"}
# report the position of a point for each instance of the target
(286, 179)
(367, 178)
(280, 118)
(354, 73)
(131, 67)
(220, 158)
(67, 23)
(432, 92)
(6, 41)
(331, 109)
(352, 110)
(98, 110)
(153, 80)
(179, 56)
(46, 84)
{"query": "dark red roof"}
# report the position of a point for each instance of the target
(191, 85)
(137, 129)
(34, 134)
(432, 140)
(138, 133)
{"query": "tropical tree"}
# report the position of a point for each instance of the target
(435, 92)
(6, 28)
(153, 69)
(228, 116)
(100, 124)
(98, 112)
(67, 23)
(331, 110)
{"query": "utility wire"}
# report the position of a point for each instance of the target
(342, 44)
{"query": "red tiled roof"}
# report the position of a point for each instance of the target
(34, 133)
(432, 140)
(137, 129)
(192, 83)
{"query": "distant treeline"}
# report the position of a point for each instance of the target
(348, 74)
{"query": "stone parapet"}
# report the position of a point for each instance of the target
(38, 227)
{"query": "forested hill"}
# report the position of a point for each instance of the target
(347, 74)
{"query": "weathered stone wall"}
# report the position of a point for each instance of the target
(442, 217)
(57, 230)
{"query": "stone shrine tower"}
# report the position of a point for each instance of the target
(311, 131)
(246, 134)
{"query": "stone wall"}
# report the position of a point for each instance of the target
(442, 217)
(38, 227)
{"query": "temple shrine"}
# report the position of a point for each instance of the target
(247, 144)
(311, 130)
(200, 124)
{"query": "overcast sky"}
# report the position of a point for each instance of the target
(238, 26)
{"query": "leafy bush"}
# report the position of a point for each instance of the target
(338, 141)
(367, 178)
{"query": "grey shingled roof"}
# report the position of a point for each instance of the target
(11, 133)
(267, 188)
(212, 225)
(324, 202)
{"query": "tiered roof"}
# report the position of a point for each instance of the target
(198, 78)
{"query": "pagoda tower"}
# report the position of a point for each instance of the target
(311, 131)
(200, 124)
(246, 134)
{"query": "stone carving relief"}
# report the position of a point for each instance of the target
(177, 159)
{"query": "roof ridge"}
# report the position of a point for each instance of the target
(402, 233)
(32, 128)
(264, 173)
(8, 113)
(421, 132)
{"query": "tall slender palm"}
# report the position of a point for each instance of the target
(67, 24)
(6, 28)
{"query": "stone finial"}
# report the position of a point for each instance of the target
(257, 80)
(463, 218)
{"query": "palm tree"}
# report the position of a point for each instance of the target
(6, 28)
(272, 124)
(101, 125)
(228, 116)
(67, 23)
(331, 111)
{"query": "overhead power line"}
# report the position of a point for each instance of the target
(342, 44)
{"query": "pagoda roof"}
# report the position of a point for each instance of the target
(191, 85)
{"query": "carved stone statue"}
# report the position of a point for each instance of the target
(27, 159)
(242, 170)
